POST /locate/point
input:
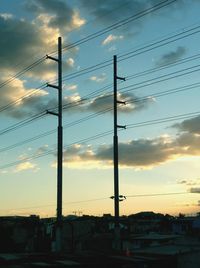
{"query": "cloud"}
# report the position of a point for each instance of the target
(109, 12)
(140, 153)
(70, 62)
(42, 149)
(98, 79)
(25, 41)
(136, 153)
(111, 38)
(27, 106)
(189, 182)
(195, 190)
(172, 56)
(189, 125)
(71, 87)
(104, 102)
(133, 103)
(60, 14)
(25, 166)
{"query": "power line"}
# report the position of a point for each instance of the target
(157, 194)
(52, 151)
(106, 133)
(89, 68)
(193, 57)
(109, 62)
(44, 57)
(159, 44)
(91, 37)
(22, 123)
(165, 66)
(164, 93)
(135, 52)
(13, 103)
(155, 80)
(118, 24)
(29, 120)
(141, 84)
(100, 199)
(23, 71)
(101, 112)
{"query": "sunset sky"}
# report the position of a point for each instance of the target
(157, 45)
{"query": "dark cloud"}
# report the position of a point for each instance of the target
(195, 190)
(102, 10)
(59, 12)
(172, 56)
(145, 153)
(108, 12)
(189, 125)
(136, 153)
(19, 40)
(23, 42)
(133, 103)
(141, 153)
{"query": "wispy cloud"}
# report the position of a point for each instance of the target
(189, 182)
(25, 166)
(112, 38)
(98, 79)
(71, 87)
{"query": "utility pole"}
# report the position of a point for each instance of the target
(115, 156)
(60, 146)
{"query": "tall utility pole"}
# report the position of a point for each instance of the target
(60, 146)
(115, 155)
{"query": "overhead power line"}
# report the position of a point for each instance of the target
(23, 71)
(77, 103)
(21, 99)
(52, 151)
(91, 37)
(182, 34)
(118, 24)
(156, 80)
(106, 133)
(133, 53)
(22, 123)
(99, 199)
(146, 72)
(101, 112)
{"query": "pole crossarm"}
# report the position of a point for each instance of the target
(52, 113)
(121, 102)
(120, 126)
(54, 86)
(121, 78)
(52, 58)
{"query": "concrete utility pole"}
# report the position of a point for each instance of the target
(60, 146)
(115, 155)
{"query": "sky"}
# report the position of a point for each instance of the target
(157, 47)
